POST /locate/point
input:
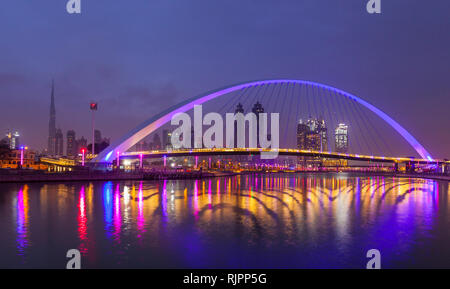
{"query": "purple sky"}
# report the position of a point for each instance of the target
(139, 57)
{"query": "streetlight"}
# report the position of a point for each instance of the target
(22, 149)
(93, 107)
(83, 151)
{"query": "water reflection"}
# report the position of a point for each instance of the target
(22, 220)
(82, 222)
(277, 220)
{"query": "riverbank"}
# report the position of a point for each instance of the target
(21, 176)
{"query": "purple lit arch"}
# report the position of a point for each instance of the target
(155, 122)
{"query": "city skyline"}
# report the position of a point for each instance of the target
(149, 72)
(221, 134)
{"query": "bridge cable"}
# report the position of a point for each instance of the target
(314, 100)
(288, 92)
(298, 98)
(307, 101)
(365, 129)
(340, 108)
(330, 117)
(362, 132)
(280, 85)
(353, 120)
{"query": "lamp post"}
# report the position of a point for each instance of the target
(83, 151)
(118, 160)
(93, 106)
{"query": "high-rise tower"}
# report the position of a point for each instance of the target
(71, 144)
(257, 109)
(52, 124)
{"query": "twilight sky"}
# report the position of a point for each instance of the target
(138, 57)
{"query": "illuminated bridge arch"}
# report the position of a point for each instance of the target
(155, 122)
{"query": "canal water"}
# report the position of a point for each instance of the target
(246, 221)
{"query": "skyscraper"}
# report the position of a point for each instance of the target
(318, 126)
(71, 144)
(302, 131)
(156, 145)
(167, 141)
(98, 136)
(257, 109)
(51, 148)
(341, 138)
(81, 144)
(59, 143)
(13, 140)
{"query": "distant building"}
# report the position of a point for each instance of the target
(318, 126)
(51, 148)
(97, 136)
(72, 147)
(341, 138)
(156, 144)
(312, 135)
(141, 146)
(59, 147)
(313, 141)
(12, 158)
(302, 132)
(12, 139)
(167, 142)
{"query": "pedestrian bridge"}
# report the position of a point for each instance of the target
(281, 152)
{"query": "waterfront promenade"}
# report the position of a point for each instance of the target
(18, 176)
